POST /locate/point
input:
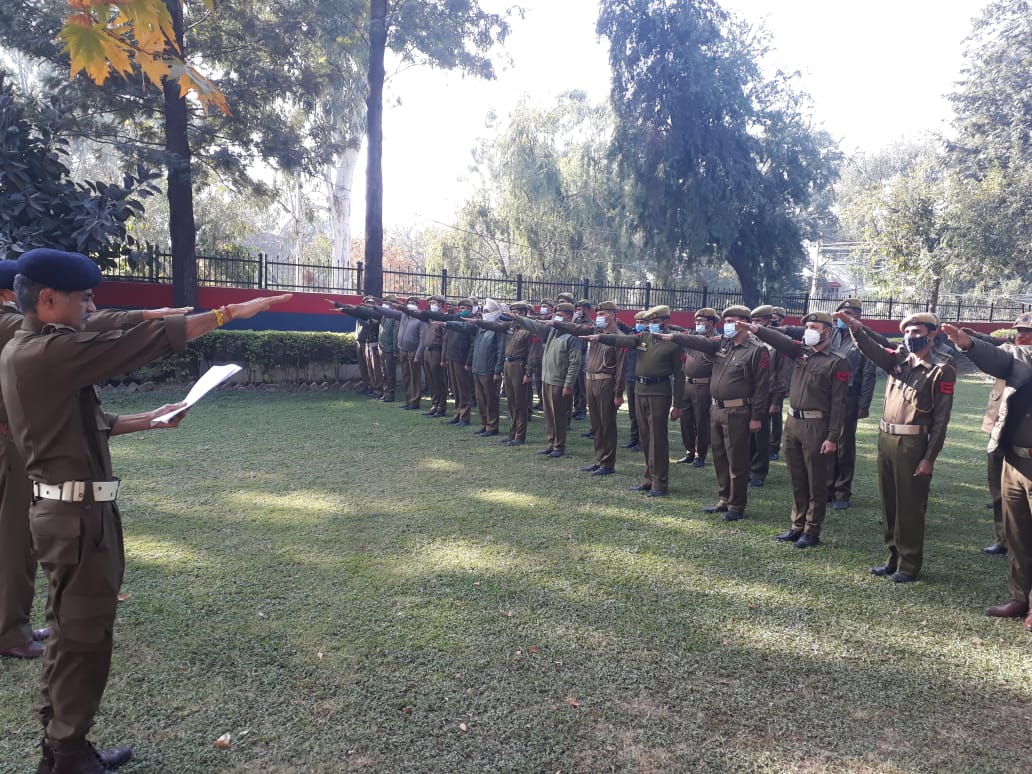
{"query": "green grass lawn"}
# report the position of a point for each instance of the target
(344, 586)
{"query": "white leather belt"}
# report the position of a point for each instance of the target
(891, 429)
(75, 491)
(800, 414)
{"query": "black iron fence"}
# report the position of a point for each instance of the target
(265, 273)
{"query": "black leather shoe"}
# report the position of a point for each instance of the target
(756, 482)
(638, 488)
(773, 456)
(685, 459)
(733, 516)
(699, 463)
(604, 472)
(902, 577)
(452, 421)
(996, 549)
(587, 435)
(109, 759)
(635, 448)
(840, 505)
(489, 433)
(463, 423)
(656, 493)
(515, 442)
(41, 635)
(629, 444)
(30, 650)
(430, 413)
(883, 570)
(790, 536)
(808, 541)
(590, 468)
(715, 509)
(579, 415)
(545, 451)
(556, 453)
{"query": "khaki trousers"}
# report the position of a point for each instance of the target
(807, 472)
(412, 375)
(904, 499)
(843, 466)
(487, 401)
(517, 397)
(17, 560)
(461, 382)
(602, 412)
(1017, 518)
(695, 419)
(653, 415)
(729, 434)
(994, 474)
(557, 415)
(436, 380)
(80, 548)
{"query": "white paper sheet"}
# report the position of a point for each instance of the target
(211, 379)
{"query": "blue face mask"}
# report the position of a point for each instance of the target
(464, 313)
(840, 324)
(639, 327)
(730, 329)
(655, 328)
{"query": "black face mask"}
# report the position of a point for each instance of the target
(775, 323)
(915, 343)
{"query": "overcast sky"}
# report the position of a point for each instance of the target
(877, 71)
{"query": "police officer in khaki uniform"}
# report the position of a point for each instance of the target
(17, 561)
(695, 406)
(1011, 435)
(918, 402)
(604, 380)
(777, 319)
(740, 394)
(560, 364)
(780, 373)
(429, 354)
(817, 401)
(658, 390)
(47, 376)
(516, 375)
(630, 378)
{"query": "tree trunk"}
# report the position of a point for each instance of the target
(340, 180)
(182, 232)
(746, 278)
(374, 164)
(933, 303)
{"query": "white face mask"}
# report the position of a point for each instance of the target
(476, 308)
(558, 318)
(700, 328)
(811, 338)
(435, 307)
(730, 329)
(385, 306)
(601, 322)
(544, 309)
(413, 307)
(492, 316)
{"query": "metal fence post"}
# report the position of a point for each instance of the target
(519, 287)
(444, 282)
(648, 294)
(587, 289)
(891, 302)
(705, 297)
(806, 304)
(359, 266)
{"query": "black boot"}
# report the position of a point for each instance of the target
(83, 760)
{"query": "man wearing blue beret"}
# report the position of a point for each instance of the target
(17, 560)
(47, 376)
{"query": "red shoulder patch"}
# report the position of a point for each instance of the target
(842, 376)
(765, 359)
(535, 340)
(946, 388)
(684, 357)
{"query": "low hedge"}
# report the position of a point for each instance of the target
(266, 355)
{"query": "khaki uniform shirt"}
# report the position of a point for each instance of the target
(47, 373)
(740, 371)
(657, 359)
(918, 392)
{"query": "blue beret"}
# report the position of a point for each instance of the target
(7, 271)
(60, 270)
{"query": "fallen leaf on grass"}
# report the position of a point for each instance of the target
(223, 741)
(320, 655)
(125, 596)
(534, 649)
(261, 614)
(463, 727)
(573, 702)
(508, 613)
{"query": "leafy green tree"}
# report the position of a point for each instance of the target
(721, 163)
(991, 152)
(42, 206)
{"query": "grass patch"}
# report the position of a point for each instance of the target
(344, 586)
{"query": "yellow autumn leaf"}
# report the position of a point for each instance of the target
(85, 47)
(118, 54)
(154, 68)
